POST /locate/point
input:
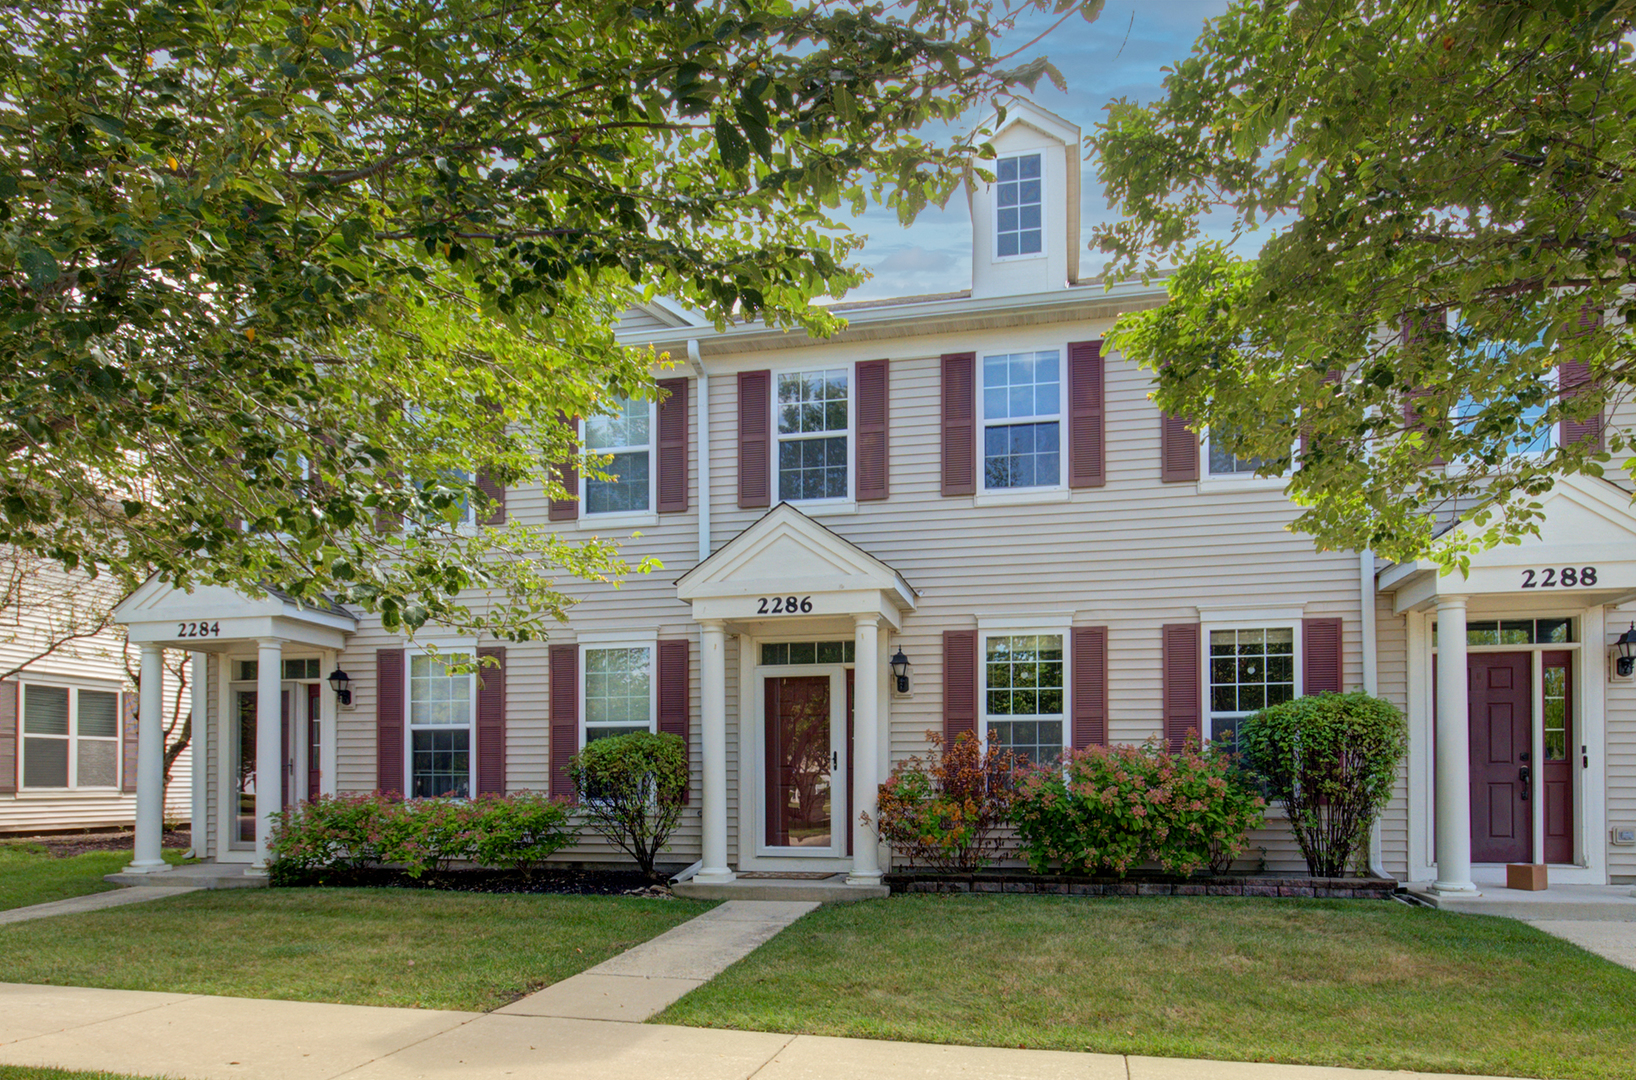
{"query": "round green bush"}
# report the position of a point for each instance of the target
(1332, 760)
(631, 789)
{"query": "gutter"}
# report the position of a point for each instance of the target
(704, 446)
(687, 875)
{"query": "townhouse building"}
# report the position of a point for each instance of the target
(972, 490)
(67, 717)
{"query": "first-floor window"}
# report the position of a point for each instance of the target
(70, 737)
(618, 691)
(440, 727)
(1022, 695)
(1249, 670)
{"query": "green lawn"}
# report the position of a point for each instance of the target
(31, 875)
(1325, 982)
(405, 947)
(40, 1072)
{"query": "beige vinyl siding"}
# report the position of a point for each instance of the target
(1392, 683)
(1620, 711)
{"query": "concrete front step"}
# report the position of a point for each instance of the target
(193, 876)
(1583, 903)
(831, 890)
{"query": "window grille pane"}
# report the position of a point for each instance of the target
(45, 711)
(98, 764)
(1249, 670)
(435, 696)
(808, 652)
(617, 687)
(99, 715)
(245, 670)
(626, 426)
(1017, 197)
(1040, 741)
(441, 764)
(45, 763)
(626, 493)
(1225, 463)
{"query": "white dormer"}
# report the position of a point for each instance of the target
(1025, 225)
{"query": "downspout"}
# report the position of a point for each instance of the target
(1371, 676)
(704, 446)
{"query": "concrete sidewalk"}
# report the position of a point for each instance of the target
(206, 1038)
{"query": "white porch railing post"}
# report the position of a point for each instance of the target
(148, 856)
(1453, 738)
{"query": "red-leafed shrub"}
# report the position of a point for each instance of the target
(1107, 810)
(947, 811)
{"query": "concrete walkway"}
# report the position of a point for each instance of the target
(217, 1038)
(639, 983)
(94, 902)
(1614, 940)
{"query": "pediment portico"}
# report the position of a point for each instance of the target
(788, 578)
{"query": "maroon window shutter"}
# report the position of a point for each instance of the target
(1182, 698)
(567, 508)
(960, 424)
(564, 717)
(1573, 379)
(959, 683)
(1320, 656)
(675, 714)
(127, 742)
(1090, 675)
(1178, 451)
(389, 721)
(672, 447)
(8, 738)
(755, 454)
(873, 381)
(491, 722)
(1413, 418)
(1087, 413)
(493, 490)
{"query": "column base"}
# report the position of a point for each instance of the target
(720, 876)
(866, 880)
(140, 867)
(256, 870)
(1454, 888)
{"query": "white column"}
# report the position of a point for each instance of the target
(269, 748)
(713, 736)
(865, 749)
(199, 754)
(1453, 797)
(148, 856)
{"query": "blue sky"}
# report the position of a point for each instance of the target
(1100, 63)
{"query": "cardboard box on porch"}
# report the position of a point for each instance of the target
(1529, 876)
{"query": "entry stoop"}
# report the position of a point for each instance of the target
(830, 890)
(1590, 903)
(193, 876)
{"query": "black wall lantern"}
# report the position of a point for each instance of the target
(341, 683)
(900, 670)
(1626, 663)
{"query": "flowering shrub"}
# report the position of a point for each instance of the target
(947, 811)
(1110, 809)
(347, 833)
(1332, 760)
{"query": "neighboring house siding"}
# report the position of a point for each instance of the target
(1621, 759)
(1392, 683)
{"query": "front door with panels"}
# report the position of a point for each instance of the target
(805, 794)
(241, 795)
(1501, 699)
(1556, 765)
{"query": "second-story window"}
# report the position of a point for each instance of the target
(1022, 420)
(1017, 207)
(625, 435)
(1224, 462)
(813, 423)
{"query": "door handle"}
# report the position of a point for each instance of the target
(1523, 775)
(834, 761)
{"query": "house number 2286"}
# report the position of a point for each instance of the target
(1551, 577)
(784, 605)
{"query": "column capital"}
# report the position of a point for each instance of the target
(713, 626)
(869, 618)
(271, 643)
(1451, 600)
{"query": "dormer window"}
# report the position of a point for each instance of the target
(1018, 203)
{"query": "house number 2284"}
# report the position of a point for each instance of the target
(1551, 577)
(784, 605)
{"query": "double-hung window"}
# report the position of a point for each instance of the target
(70, 737)
(1022, 420)
(1468, 412)
(440, 726)
(618, 691)
(624, 436)
(814, 422)
(1250, 669)
(1223, 462)
(1023, 699)
(1018, 204)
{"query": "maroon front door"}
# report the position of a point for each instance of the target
(1501, 703)
(800, 762)
(314, 756)
(1556, 770)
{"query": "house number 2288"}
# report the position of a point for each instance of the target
(1551, 577)
(784, 605)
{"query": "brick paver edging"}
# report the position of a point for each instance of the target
(1244, 885)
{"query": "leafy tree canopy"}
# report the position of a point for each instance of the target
(1455, 169)
(286, 288)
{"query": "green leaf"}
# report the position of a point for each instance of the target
(40, 265)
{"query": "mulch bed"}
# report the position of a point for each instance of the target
(66, 845)
(559, 881)
(1280, 885)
